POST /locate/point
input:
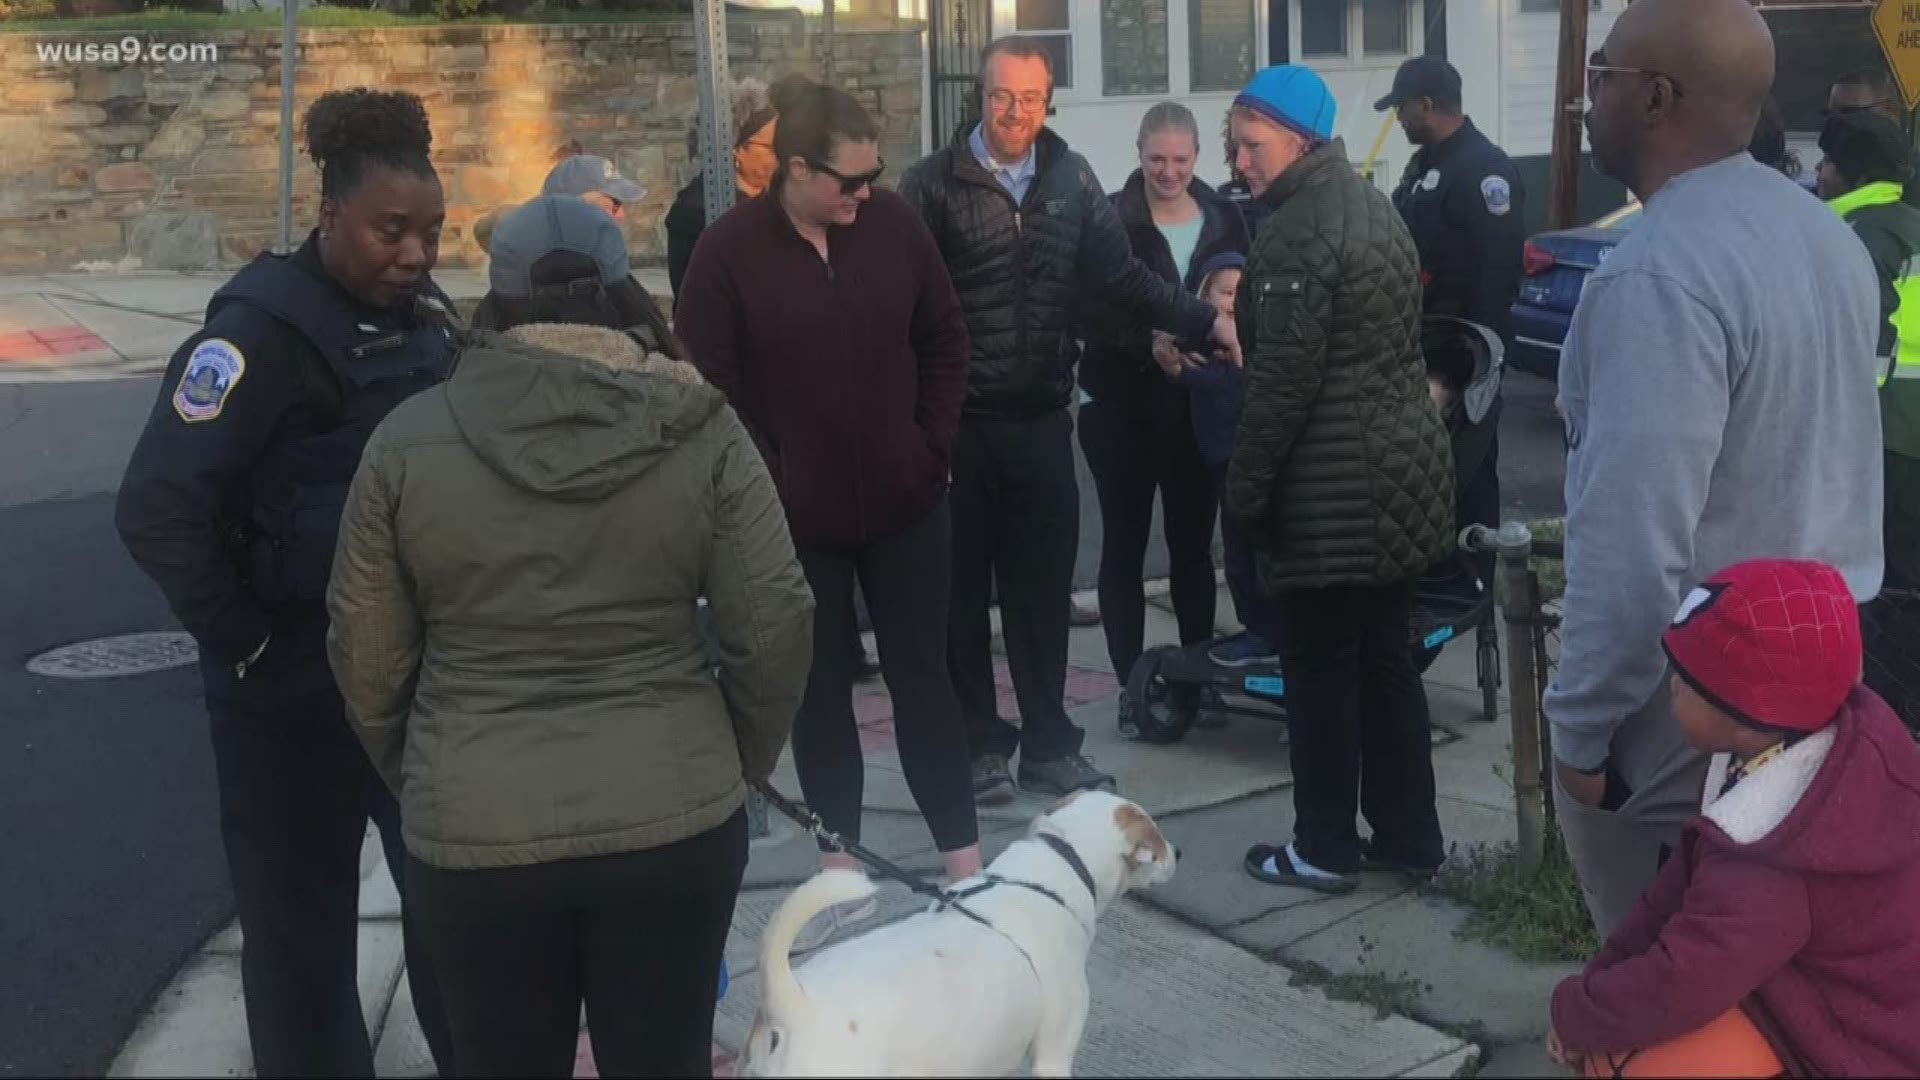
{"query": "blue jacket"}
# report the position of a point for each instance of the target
(1218, 390)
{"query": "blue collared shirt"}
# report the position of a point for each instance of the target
(1015, 178)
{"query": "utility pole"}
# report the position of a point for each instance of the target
(1569, 109)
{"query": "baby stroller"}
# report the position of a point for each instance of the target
(1171, 688)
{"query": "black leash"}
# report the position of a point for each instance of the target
(946, 898)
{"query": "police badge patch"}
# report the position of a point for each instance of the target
(1431, 181)
(1499, 196)
(211, 373)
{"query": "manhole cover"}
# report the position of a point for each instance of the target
(115, 657)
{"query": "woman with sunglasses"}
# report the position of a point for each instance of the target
(824, 311)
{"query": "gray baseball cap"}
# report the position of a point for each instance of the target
(547, 224)
(584, 174)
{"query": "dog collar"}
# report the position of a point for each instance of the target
(1065, 851)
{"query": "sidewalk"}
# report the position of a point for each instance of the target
(1196, 977)
(78, 326)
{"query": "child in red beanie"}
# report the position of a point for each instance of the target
(1783, 935)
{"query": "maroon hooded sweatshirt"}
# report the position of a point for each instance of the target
(849, 372)
(1796, 895)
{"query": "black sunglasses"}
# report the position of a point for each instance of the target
(849, 185)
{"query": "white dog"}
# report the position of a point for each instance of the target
(948, 993)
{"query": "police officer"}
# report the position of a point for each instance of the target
(1462, 201)
(231, 504)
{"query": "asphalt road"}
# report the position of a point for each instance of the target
(112, 874)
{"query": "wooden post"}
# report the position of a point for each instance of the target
(1569, 107)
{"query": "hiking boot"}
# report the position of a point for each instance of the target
(1243, 650)
(1062, 776)
(992, 779)
(828, 926)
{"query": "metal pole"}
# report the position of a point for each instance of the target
(1569, 107)
(716, 105)
(826, 37)
(289, 17)
(1515, 545)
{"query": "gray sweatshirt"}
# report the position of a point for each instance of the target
(1718, 383)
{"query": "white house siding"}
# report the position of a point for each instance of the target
(1531, 49)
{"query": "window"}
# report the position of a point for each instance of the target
(1048, 22)
(1220, 37)
(1357, 30)
(1133, 47)
(1323, 28)
(1549, 7)
(1383, 27)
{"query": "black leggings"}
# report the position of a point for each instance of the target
(640, 937)
(1137, 446)
(905, 580)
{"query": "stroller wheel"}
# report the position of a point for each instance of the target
(1487, 660)
(1157, 710)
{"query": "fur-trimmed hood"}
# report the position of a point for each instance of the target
(573, 412)
(1844, 800)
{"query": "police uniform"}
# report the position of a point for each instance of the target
(231, 504)
(1462, 201)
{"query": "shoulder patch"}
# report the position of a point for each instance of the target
(212, 371)
(1499, 196)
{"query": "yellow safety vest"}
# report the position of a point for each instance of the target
(1905, 361)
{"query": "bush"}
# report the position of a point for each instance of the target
(26, 9)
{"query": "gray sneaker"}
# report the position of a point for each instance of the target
(823, 929)
(1062, 776)
(992, 779)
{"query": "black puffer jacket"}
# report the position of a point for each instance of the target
(1023, 271)
(1119, 359)
(1342, 467)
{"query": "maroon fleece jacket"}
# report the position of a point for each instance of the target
(849, 372)
(1795, 895)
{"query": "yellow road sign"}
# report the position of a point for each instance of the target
(1897, 24)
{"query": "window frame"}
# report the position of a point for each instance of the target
(1170, 83)
(1005, 17)
(1356, 58)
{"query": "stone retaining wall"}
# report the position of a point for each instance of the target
(176, 165)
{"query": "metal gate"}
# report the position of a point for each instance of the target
(956, 32)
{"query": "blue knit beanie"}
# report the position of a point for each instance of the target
(1292, 96)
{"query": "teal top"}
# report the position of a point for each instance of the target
(1182, 239)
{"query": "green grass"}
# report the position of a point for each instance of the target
(1538, 917)
(316, 17)
(1551, 572)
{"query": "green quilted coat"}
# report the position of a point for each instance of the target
(1341, 468)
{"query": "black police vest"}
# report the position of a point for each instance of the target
(300, 486)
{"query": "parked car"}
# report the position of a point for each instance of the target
(1557, 265)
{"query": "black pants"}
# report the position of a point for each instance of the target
(1255, 609)
(905, 580)
(1137, 446)
(1359, 727)
(1016, 525)
(639, 937)
(296, 791)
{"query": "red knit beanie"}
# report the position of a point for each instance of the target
(1774, 643)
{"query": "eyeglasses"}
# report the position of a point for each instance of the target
(1004, 101)
(849, 185)
(1597, 66)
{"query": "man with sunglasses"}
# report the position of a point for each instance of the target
(1718, 387)
(1030, 237)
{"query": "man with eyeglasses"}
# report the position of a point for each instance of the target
(1029, 237)
(1720, 405)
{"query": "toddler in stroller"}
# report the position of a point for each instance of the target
(1171, 688)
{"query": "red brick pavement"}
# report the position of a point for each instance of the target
(47, 342)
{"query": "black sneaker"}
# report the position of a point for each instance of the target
(992, 779)
(1062, 776)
